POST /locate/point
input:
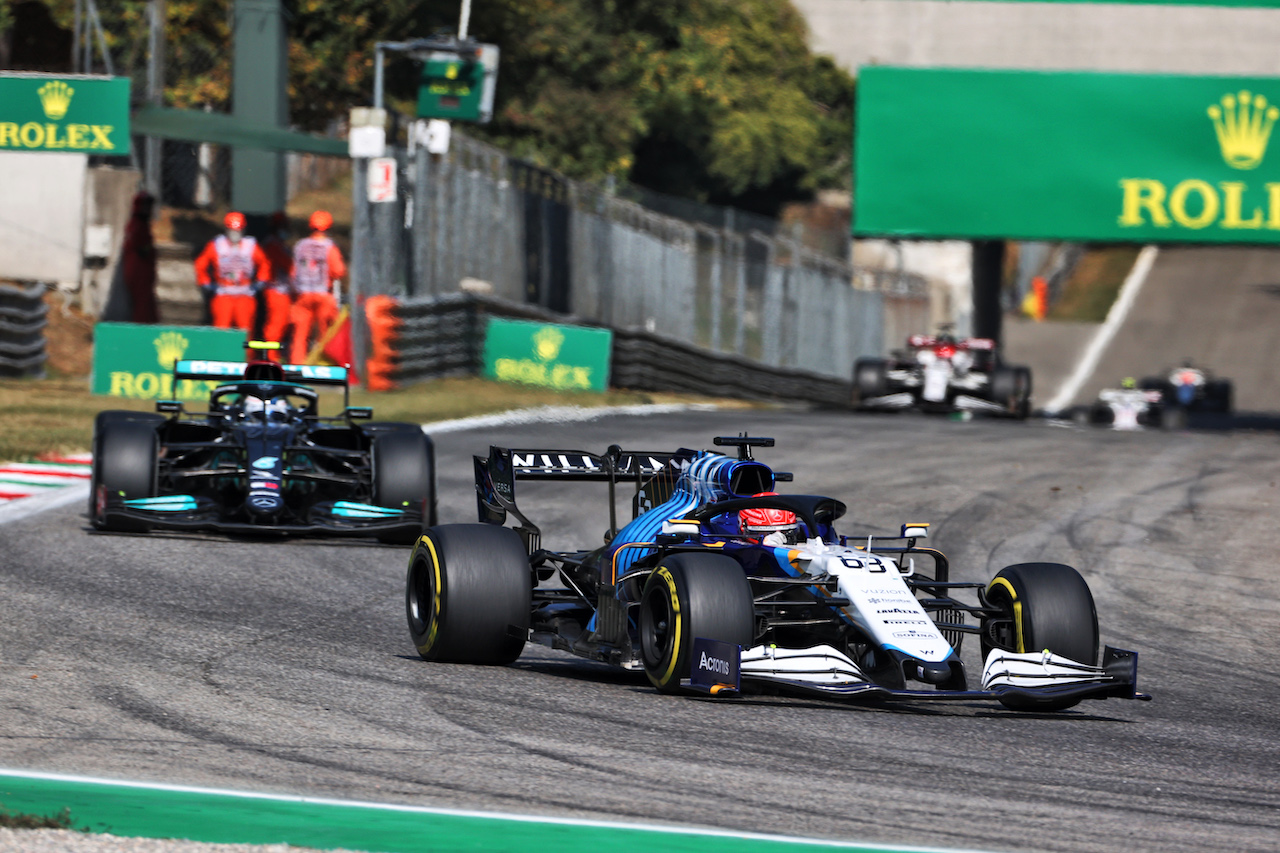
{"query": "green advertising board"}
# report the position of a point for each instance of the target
(451, 87)
(135, 360)
(45, 112)
(567, 358)
(977, 154)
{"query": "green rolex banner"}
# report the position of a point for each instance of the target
(977, 154)
(567, 358)
(46, 112)
(136, 360)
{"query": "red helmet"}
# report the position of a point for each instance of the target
(234, 221)
(759, 522)
(321, 220)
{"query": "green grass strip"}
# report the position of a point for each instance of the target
(228, 817)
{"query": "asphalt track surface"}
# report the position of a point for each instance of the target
(1217, 307)
(286, 667)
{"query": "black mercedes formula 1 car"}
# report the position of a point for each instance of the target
(719, 583)
(261, 460)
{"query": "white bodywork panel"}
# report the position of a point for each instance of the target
(881, 602)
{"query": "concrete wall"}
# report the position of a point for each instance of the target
(1057, 36)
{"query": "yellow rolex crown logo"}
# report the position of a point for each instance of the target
(55, 97)
(547, 342)
(170, 347)
(451, 72)
(1243, 124)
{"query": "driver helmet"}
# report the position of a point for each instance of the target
(275, 409)
(769, 526)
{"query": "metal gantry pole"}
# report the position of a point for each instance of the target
(155, 93)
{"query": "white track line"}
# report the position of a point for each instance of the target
(20, 508)
(560, 415)
(1115, 317)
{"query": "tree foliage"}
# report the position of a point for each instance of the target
(719, 100)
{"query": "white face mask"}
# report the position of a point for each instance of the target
(233, 235)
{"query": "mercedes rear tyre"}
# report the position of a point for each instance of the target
(404, 475)
(125, 451)
(1043, 606)
(468, 594)
(691, 596)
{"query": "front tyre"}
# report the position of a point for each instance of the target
(468, 594)
(126, 447)
(1044, 606)
(689, 596)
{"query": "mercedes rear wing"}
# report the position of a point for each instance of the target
(311, 374)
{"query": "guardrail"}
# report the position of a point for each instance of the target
(23, 316)
(414, 340)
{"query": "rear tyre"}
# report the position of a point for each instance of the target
(690, 596)
(1044, 606)
(870, 379)
(404, 474)
(1173, 417)
(468, 594)
(1011, 388)
(125, 449)
(1218, 396)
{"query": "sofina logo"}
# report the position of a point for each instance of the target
(55, 98)
(547, 342)
(170, 347)
(1243, 124)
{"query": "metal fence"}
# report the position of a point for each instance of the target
(483, 221)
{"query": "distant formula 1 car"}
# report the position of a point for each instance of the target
(718, 583)
(1192, 389)
(262, 460)
(941, 373)
(1129, 408)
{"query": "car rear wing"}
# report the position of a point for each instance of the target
(311, 374)
(496, 476)
(233, 371)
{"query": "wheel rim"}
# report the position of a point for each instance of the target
(1001, 631)
(421, 598)
(656, 620)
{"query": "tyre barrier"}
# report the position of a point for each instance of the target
(421, 339)
(23, 316)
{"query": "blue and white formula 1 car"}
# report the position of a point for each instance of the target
(718, 583)
(262, 460)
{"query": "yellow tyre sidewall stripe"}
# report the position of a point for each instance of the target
(665, 576)
(425, 648)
